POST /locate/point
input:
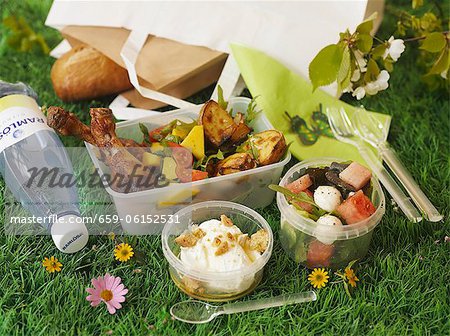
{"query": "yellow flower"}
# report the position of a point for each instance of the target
(318, 277)
(52, 264)
(351, 276)
(123, 252)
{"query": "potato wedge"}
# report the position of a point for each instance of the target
(235, 163)
(218, 125)
(242, 130)
(270, 146)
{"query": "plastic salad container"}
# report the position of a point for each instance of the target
(247, 187)
(303, 239)
(215, 286)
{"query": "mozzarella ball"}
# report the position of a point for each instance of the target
(329, 220)
(327, 235)
(327, 198)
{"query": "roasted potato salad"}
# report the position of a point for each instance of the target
(235, 163)
(242, 130)
(217, 123)
(267, 147)
(219, 142)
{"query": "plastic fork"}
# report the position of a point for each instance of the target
(374, 132)
(344, 131)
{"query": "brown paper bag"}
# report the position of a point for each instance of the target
(164, 65)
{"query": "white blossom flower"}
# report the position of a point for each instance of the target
(395, 48)
(349, 88)
(361, 61)
(356, 75)
(444, 74)
(372, 88)
(359, 93)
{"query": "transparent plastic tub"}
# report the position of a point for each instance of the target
(318, 245)
(246, 187)
(215, 286)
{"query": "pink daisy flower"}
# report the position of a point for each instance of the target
(108, 289)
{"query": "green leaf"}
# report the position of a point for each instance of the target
(345, 71)
(435, 82)
(364, 42)
(251, 113)
(372, 71)
(388, 64)
(301, 197)
(367, 26)
(145, 132)
(172, 138)
(185, 127)
(305, 213)
(203, 163)
(323, 69)
(222, 103)
(378, 51)
(441, 64)
(219, 155)
(434, 42)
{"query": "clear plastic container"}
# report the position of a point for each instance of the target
(318, 245)
(215, 286)
(246, 187)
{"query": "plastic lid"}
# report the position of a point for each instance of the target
(69, 234)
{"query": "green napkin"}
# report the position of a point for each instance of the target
(279, 90)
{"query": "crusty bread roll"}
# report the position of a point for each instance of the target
(85, 73)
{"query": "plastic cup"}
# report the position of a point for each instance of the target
(318, 245)
(214, 286)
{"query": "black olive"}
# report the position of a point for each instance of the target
(333, 177)
(317, 176)
(339, 167)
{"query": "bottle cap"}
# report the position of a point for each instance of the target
(69, 234)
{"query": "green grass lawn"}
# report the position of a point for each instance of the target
(404, 279)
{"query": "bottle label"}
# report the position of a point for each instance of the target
(19, 122)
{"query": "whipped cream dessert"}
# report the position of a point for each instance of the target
(220, 246)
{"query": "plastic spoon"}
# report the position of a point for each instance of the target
(193, 311)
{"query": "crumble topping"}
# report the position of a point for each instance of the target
(186, 240)
(226, 221)
(259, 241)
(223, 248)
(217, 242)
(192, 285)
